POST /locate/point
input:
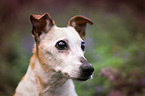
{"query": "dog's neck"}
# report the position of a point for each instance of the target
(44, 83)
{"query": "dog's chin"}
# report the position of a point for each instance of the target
(81, 79)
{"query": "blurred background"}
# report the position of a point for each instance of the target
(115, 43)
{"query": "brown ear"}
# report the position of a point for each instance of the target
(79, 23)
(40, 24)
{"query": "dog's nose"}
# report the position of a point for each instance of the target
(87, 70)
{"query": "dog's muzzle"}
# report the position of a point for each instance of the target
(86, 70)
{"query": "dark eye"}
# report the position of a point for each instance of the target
(83, 46)
(61, 45)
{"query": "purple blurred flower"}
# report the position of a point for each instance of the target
(115, 93)
(99, 89)
(143, 81)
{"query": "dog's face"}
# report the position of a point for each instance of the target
(62, 49)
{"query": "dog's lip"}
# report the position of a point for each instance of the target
(82, 78)
(79, 78)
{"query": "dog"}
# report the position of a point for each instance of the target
(58, 58)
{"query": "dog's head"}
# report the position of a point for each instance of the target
(62, 49)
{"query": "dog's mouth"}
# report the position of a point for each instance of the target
(79, 78)
(83, 78)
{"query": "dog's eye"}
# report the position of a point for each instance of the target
(83, 46)
(61, 45)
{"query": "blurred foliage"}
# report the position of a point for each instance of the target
(118, 58)
(115, 43)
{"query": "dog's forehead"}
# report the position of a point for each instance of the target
(69, 33)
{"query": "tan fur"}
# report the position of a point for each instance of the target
(40, 80)
(23, 78)
(32, 61)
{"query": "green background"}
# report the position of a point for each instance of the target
(115, 44)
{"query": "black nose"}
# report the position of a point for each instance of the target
(87, 70)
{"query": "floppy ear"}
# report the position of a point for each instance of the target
(79, 23)
(40, 24)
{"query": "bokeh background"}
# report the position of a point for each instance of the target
(115, 43)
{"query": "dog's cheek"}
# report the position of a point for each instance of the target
(46, 59)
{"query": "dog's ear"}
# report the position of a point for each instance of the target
(40, 24)
(79, 23)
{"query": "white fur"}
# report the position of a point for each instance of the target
(66, 61)
(55, 85)
(50, 71)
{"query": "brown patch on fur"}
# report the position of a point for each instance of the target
(41, 84)
(40, 80)
(44, 66)
(32, 61)
(32, 65)
(23, 78)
